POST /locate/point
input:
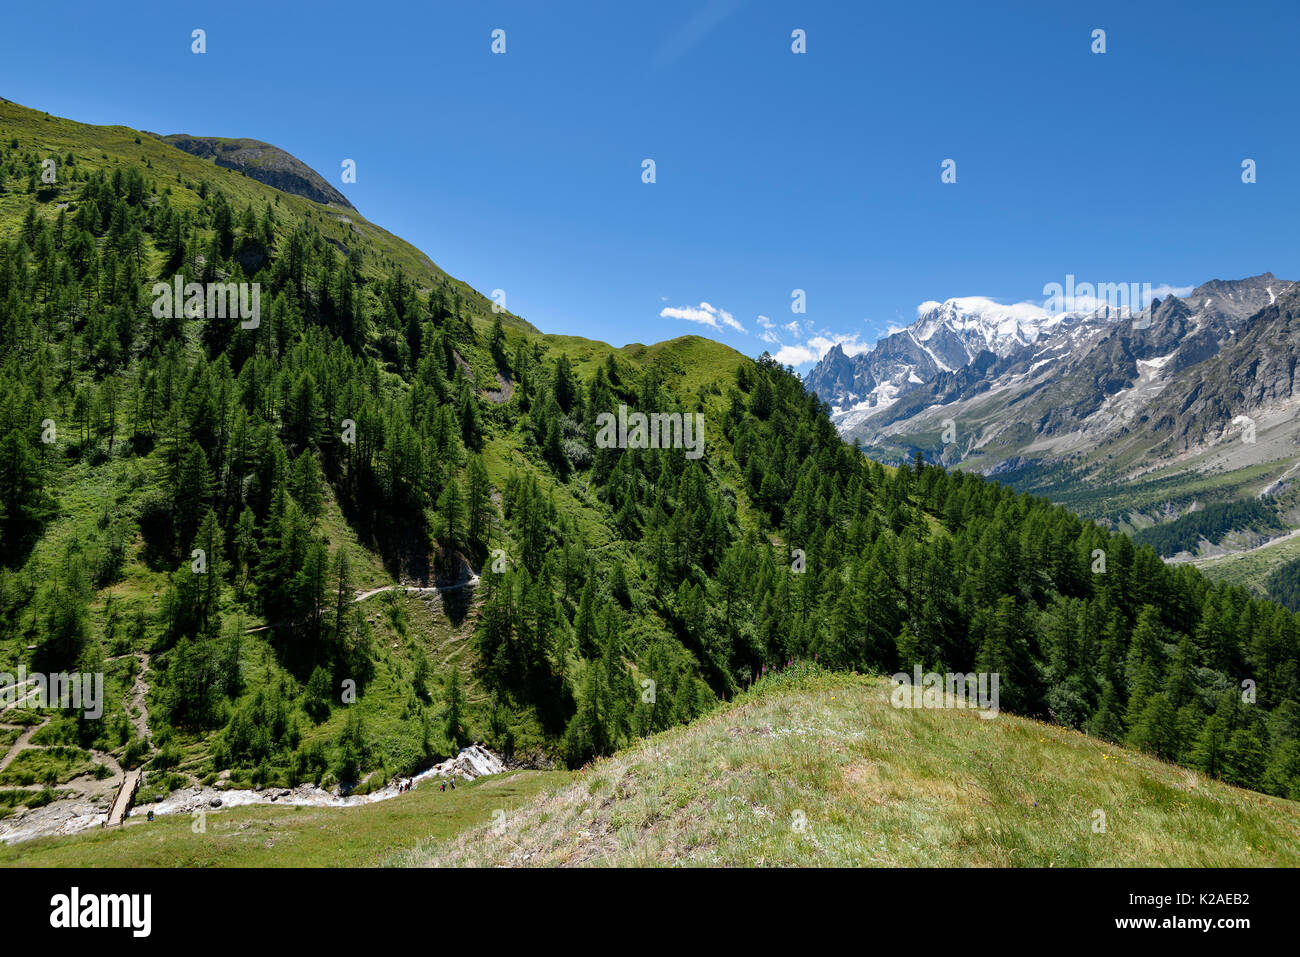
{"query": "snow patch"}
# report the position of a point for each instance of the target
(1154, 364)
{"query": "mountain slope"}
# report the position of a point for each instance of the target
(42, 137)
(820, 770)
(1255, 372)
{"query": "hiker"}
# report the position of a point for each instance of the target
(453, 784)
(443, 786)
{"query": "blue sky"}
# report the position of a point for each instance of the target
(775, 171)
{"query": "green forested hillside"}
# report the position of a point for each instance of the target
(381, 425)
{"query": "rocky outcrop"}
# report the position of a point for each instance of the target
(263, 162)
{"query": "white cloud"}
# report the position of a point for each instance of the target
(849, 343)
(1101, 298)
(1023, 311)
(793, 326)
(729, 320)
(690, 313)
(1164, 289)
(817, 346)
(769, 336)
(705, 314)
(765, 322)
(795, 355)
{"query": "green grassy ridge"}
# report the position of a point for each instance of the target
(109, 148)
(876, 785)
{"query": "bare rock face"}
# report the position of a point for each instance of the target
(473, 762)
(1256, 369)
(263, 162)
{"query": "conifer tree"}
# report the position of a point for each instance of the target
(453, 715)
(452, 514)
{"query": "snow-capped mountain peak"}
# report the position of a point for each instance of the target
(983, 322)
(945, 337)
(1036, 373)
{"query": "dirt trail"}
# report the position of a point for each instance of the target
(21, 744)
(140, 721)
(417, 589)
(412, 589)
(138, 691)
(19, 702)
